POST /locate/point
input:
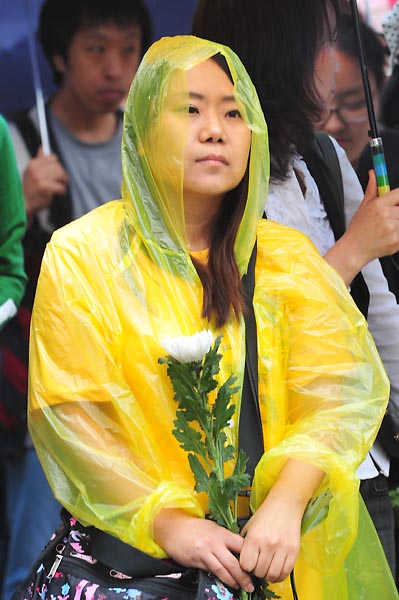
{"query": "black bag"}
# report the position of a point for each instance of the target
(70, 567)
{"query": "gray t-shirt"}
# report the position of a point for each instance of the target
(94, 169)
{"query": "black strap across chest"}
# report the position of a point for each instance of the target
(322, 162)
(250, 435)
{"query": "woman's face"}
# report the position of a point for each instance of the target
(216, 139)
(348, 120)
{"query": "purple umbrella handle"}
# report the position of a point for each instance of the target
(40, 105)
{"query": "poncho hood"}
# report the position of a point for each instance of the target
(155, 204)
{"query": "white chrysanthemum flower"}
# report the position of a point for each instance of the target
(191, 348)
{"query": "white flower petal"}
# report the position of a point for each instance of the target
(189, 348)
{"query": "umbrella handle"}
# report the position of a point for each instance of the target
(40, 105)
(380, 166)
(381, 173)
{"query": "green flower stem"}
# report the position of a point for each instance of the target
(209, 451)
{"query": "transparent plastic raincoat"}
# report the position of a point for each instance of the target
(117, 281)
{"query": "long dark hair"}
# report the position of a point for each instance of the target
(220, 278)
(278, 41)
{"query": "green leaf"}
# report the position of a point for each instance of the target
(234, 484)
(262, 591)
(241, 464)
(218, 502)
(221, 411)
(316, 511)
(189, 438)
(210, 367)
(394, 495)
(200, 475)
(225, 451)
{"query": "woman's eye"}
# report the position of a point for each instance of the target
(234, 114)
(192, 110)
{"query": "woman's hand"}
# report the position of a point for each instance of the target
(272, 539)
(272, 535)
(200, 543)
(373, 232)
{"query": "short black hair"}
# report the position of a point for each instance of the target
(374, 49)
(278, 41)
(60, 20)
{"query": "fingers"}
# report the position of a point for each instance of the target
(226, 567)
(201, 543)
(273, 563)
(43, 178)
(272, 540)
(371, 190)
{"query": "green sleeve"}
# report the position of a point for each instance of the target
(12, 229)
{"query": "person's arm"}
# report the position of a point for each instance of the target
(99, 449)
(272, 535)
(372, 224)
(12, 229)
(321, 408)
(383, 313)
(43, 178)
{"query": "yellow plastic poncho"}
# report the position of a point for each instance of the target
(117, 281)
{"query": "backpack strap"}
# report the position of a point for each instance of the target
(325, 148)
(323, 164)
(250, 434)
(27, 130)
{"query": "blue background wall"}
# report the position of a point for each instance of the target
(170, 17)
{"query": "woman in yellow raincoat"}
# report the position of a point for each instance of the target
(167, 260)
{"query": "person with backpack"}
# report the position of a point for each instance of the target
(287, 48)
(94, 48)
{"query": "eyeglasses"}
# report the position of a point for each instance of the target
(350, 113)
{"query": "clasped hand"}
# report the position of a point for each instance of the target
(267, 547)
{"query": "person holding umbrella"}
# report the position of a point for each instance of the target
(292, 64)
(94, 48)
